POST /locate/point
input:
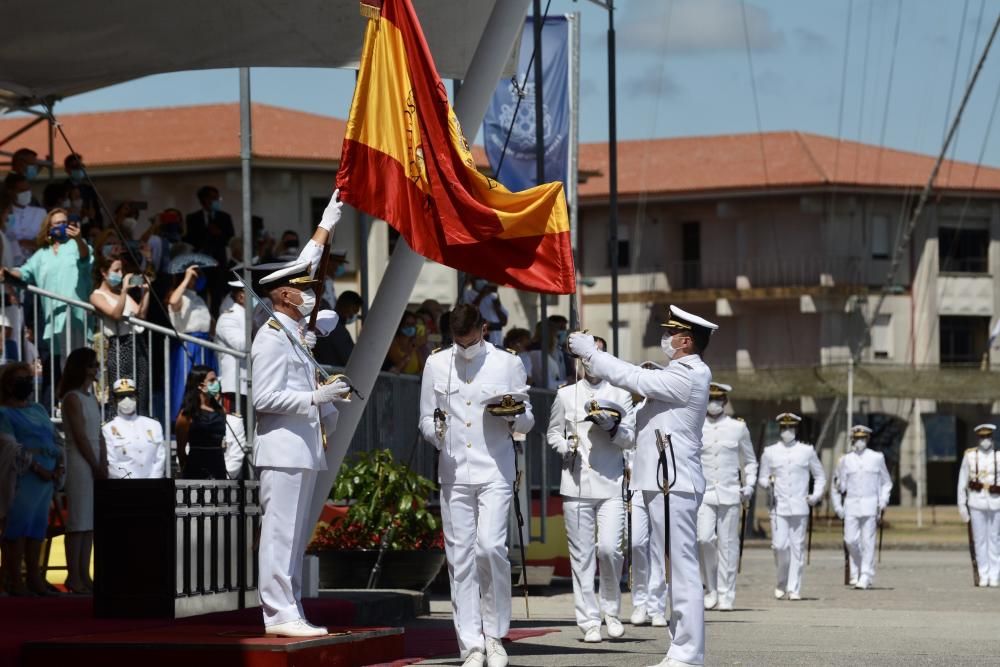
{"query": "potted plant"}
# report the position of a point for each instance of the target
(381, 532)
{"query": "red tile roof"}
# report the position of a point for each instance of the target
(736, 162)
(117, 140)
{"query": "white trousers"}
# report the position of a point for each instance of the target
(986, 538)
(859, 536)
(594, 529)
(719, 545)
(788, 541)
(475, 541)
(649, 584)
(285, 494)
(687, 604)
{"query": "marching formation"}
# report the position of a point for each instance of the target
(657, 482)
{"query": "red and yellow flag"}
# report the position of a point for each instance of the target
(406, 161)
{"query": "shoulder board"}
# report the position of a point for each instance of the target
(739, 419)
(273, 323)
(971, 449)
(511, 351)
(440, 349)
(681, 363)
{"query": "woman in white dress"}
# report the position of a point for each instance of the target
(86, 460)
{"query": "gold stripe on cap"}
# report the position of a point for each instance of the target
(675, 324)
(301, 280)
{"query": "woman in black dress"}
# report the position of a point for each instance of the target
(201, 427)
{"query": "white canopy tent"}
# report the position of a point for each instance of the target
(63, 48)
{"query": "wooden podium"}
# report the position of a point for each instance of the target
(168, 548)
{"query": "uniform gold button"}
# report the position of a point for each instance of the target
(468, 423)
(469, 445)
(468, 402)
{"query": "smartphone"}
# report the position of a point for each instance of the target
(136, 281)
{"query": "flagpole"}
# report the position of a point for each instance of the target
(574, 159)
(613, 175)
(504, 25)
(543, 310)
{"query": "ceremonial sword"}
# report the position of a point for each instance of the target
(972, 548)
(665, 487)
(627, 497)
(520, 527)
(881, 527)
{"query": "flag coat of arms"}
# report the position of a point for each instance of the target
(405, 160)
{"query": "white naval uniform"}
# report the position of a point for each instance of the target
(865, 480)
(288, 452)
(790, 465)
(649, 591)
(135, 447)
(230, 330)
(726, 451)
(676, 399)
(984, 510)
(591, 487)
(235, 441)
(476, 472)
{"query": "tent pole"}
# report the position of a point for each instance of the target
(246, 151)
(504, 25)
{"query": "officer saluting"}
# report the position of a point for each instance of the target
(726, 452)
(465, 390)
(135, 443)
(979, 501)
(785, 468)
(590, 425)
(676, 400)
(859, 494)
(289, 445)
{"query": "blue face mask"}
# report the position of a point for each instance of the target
(561, 337)
(478, 285)
(114, 279)
(409, 332)
(31, 172)
(351, 320)
(76, 175)
(217, 205)
(339, 271)
(200, 283)
(58, 233)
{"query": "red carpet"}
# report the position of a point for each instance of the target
(38, 619)
(425, 643)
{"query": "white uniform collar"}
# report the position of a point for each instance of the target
(286, 321)
(128, 418)
(690, 357)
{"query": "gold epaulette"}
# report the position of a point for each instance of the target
(511, 351)
(440, 349)
(971, 449)
(274, 324)
(739, 419)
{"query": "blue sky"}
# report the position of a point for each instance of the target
(683, 69)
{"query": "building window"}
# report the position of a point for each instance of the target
(691, 254)
(882, 337)
(963, 339)
(963, 250)
(624, 248)
(880, 237)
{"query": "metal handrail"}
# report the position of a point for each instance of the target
(135, 321)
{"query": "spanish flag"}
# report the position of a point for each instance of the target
(406, 161)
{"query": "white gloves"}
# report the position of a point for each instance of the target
(582, 345)
(746, 492)
(881, 507)
(840, 512)
(332, 213)
(963, 512)
(604, 421)
(309, 338)
(328, 393)
(814, 499)
(326, 322)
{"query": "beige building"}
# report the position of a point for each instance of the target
(785, 239)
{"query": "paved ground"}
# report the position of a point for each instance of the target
(924, 611)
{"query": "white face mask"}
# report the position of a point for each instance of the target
(986, 443)
(788, 436)
(23, 198)
(471, 352)
(860, 445)
(308, 303)
(715, 408)
(667, 346)
(126, 406)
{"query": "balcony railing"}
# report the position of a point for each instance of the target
(748, 272)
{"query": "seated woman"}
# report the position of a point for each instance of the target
(405, 353)
(28, 424)
(188, 314)
(124, 344)
(201, 427)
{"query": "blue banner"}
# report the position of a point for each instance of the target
(517, 169)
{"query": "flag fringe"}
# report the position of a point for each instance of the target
(371, 9)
